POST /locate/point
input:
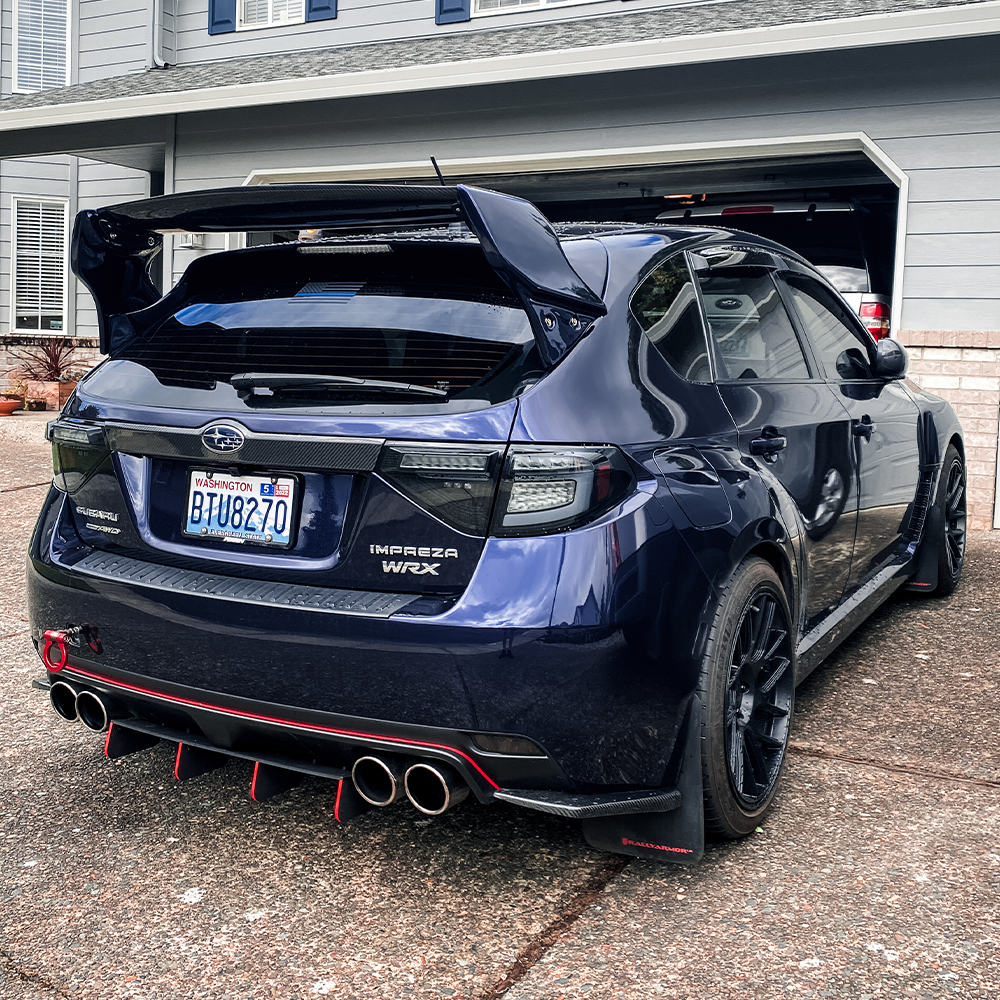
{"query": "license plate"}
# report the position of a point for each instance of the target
(245, 510)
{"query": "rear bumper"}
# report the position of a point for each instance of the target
(535, 647)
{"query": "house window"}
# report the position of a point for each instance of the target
(39, 265)
(503, 6)
(265, 13)
(41, 44)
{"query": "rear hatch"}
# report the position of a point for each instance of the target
(332, 413)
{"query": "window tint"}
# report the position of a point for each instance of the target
(841, 348)
(666, 307)
(753, 335)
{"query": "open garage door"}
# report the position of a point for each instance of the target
(837, 207)
(839, 211)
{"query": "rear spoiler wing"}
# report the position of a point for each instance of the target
(112, 247)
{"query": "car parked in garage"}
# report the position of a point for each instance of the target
(826, 233)
(458, 503)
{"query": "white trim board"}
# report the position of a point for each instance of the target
(630, 156)
(929, 24)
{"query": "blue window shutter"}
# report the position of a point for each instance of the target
(321, 10)
(450, 11)
(221, 16)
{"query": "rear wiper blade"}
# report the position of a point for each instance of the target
(245, 383)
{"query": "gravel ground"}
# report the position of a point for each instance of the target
(878, 875)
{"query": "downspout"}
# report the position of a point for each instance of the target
(154, 54)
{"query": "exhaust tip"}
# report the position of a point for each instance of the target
(379, 782)
(434, 788)
(93, 711)
(63, 698)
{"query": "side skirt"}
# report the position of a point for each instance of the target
(815, 646)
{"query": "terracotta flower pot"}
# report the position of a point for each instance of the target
(8, 406)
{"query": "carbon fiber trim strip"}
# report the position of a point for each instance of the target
(196, 740)
(285, 451)
(122, 569)
(574, 806)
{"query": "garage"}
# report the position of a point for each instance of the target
(838, 209)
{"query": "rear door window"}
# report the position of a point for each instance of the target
(753, 336)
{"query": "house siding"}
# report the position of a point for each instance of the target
(113, 38)
(40, 177)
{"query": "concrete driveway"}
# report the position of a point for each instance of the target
(878, 875)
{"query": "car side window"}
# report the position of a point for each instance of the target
(665, 305)
(841, 348)
(754, 338)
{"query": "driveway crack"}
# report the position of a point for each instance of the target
(537, 947)
(918, 772)
(27, 975)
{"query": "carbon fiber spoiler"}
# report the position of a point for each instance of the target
(113, 246)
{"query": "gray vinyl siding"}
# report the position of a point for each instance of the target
(169, 37)
(114, 38)
(39, 177)
(933, 109)
(6, 47)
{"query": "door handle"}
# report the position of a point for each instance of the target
(863, 427)
(768, 444)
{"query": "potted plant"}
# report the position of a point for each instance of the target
(13, 396)
(50, 372)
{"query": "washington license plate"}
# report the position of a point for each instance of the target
(245, 510)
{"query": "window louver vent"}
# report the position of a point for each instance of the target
(40, 44)
(260, 13)
(200, 355)
(39, 264)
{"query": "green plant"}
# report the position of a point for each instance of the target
(16, 389)
(52, 361)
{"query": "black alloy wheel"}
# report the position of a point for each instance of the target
(748, 692)
(952, 504)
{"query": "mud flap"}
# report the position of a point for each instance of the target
(926, 577)
(676, 837)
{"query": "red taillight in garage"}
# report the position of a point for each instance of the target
(875, 316)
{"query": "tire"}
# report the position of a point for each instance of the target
(951, 502)
(748, 693)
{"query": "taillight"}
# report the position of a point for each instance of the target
(548, 489)
(454, 483)
(537, 489)
(78, 448)
(875, 316)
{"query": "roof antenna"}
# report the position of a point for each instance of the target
(437, 170)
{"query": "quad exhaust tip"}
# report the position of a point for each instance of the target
(379, 782)
(434, 788)
(93, 710)
(71, 704)
(63, 698)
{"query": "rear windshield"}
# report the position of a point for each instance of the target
(431, 316)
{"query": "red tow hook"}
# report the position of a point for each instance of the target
(57, 638)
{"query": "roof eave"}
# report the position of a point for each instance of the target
(929, 24)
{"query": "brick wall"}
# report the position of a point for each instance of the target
(963, 366)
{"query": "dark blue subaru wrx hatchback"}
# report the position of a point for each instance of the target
(447, 500)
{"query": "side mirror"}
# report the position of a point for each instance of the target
(890, 359)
